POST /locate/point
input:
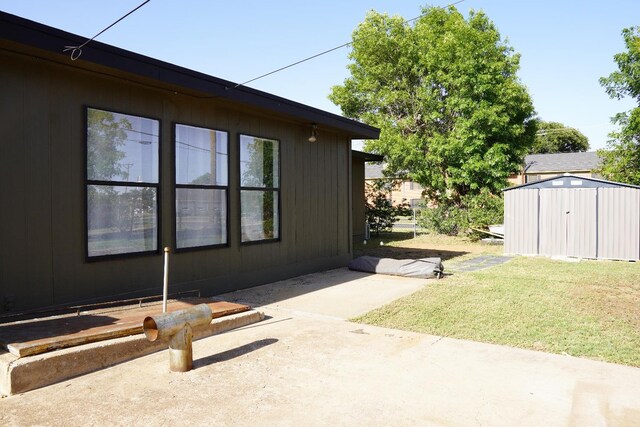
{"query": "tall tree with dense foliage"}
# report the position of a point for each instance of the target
(554, 137)
(453, 115)
(621, 162)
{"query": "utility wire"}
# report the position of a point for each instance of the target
(76, 51)
(323, 53)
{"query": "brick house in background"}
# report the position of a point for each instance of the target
(408, 191)
(541, 166)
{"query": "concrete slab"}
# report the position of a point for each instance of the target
(314, 370)
(340, 293)
(303, 365)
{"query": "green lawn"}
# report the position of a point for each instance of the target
(586, 309)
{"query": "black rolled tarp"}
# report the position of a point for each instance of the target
(426, 268)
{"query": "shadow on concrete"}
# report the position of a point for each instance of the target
(49, 328)
(268, 320)
(233, 353)
(286, 289)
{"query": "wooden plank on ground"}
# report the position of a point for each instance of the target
(26, 338)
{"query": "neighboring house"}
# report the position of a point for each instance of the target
(407, 191)
(541, 166)
(359, 159)
(109, 158)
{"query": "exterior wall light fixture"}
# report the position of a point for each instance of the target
(314, 133)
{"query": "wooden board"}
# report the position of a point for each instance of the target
(37, 336)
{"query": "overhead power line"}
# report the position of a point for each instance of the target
(76, 51)
(322, 53)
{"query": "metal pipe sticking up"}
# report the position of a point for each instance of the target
(177, 328)
(165, 281)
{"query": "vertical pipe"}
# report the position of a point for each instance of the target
(165, 282)
(414, 222)
(181, 350)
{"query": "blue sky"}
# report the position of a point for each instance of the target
(566, 45)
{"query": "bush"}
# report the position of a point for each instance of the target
(483, 210)
(445, 218)
(380, 212)
(478, 211)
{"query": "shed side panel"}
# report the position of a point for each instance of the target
(619, 223)
(521, 222)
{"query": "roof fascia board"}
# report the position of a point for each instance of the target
(54, 40)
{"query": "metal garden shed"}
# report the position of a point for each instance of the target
(573, 216)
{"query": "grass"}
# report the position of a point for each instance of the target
(587, 309)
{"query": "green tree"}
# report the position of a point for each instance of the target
(554, 137)
(453, 115)
(621, 162)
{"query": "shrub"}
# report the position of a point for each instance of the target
(476, 211)
(446, 218)
(380, 212)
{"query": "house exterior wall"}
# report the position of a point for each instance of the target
(597, 223)
(358, 208)
(42, 256)
(402, 192)
(409, 192)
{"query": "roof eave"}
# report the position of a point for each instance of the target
(30, 33)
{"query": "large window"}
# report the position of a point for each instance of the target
(122, 165)
(201, 187)
(259, 189)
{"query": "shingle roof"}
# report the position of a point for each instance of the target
(562, 162)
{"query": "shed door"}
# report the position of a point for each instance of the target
(568, 222)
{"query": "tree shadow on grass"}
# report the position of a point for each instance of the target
(398, 251)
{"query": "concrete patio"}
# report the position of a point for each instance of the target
(305, 365)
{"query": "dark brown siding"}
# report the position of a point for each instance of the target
(357, 182)
(42, 191)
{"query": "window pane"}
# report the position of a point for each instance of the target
(201, 156)
(121, 147)
(259, 161)
(121, 219)
(201, 217)
(259, 215)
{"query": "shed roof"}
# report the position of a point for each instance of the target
(562, 162)
(21, 32)
(570, 181)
